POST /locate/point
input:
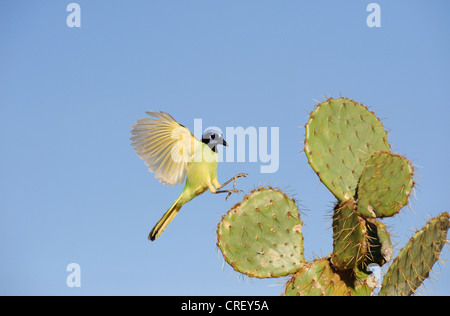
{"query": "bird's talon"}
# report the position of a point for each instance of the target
(229, 193)
(243, 175)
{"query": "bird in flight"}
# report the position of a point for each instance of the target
(171, 152)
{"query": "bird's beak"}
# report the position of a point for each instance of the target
(224, 143)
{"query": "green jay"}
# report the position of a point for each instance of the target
(171, 152)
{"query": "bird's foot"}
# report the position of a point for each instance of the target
(239, 175)
(234, 190)
(229, 192)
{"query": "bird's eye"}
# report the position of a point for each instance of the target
(213, 136)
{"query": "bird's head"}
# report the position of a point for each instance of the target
(212, 138)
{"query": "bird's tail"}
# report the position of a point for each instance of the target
(165, 219)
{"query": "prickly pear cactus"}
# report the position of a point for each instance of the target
(347, 147)
(319, 278)
(341, 135)
(262, 236)
(414, 262)
(385, 185)
(350, 237)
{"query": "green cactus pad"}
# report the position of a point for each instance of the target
(363, 282)
(414, 262)
(262, 236)
(341, 135)
(385, 185)
(380, 248)
(349, 236)
(318, 278)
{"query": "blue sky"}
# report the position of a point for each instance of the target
(73, 190)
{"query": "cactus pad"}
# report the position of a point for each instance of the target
(414, 262)
(318, 278)
(341, 135)
(385, 185)
(262, 236)
(349, 236)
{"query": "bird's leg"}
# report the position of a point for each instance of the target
(239, 175)
(229, 192)
(234, 190)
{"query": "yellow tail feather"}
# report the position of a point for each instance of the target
(165, 219)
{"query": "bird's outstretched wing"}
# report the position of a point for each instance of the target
(166, 146)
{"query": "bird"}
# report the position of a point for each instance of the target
(173, 154)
